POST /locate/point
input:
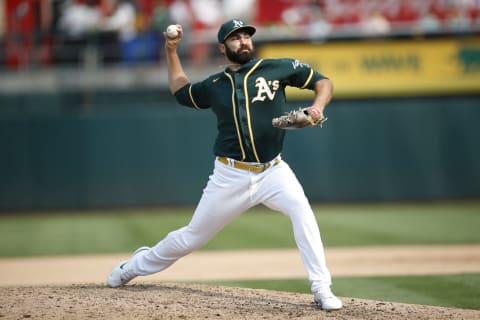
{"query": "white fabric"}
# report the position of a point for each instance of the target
(123, 21)
(79, 19)
(229, 193)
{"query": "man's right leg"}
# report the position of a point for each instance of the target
(225, 197)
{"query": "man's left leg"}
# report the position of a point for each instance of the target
(281, 191)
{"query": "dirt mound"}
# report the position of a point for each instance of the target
(187, 301)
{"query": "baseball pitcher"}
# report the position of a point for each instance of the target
(248, 99)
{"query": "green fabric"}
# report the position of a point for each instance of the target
(245, 102)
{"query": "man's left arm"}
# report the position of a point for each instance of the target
(314, 114)
(309, 116)
(323, 94)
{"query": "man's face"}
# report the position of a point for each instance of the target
(239, 48)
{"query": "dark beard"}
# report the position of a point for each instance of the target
(240, 58)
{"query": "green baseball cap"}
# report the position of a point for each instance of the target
(232, 26)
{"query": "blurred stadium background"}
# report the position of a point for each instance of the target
(86, 119)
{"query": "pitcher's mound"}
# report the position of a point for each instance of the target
(191, 301)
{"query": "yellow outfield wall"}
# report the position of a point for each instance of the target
(389, 67)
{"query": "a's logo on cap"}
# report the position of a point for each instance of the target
(237, 23)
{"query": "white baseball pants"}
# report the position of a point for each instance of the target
(230, 192)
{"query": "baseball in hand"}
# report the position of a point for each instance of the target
(172, 31)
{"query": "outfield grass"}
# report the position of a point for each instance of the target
(58, 233)
(108, 231)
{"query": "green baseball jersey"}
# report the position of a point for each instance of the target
(245, 101)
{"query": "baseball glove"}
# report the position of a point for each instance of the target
(301, 118)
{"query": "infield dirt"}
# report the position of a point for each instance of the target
(158, 297)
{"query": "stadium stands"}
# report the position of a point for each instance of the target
(34, 33)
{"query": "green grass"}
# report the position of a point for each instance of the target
(456, 291)
(58, 233)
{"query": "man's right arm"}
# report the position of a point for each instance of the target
(176, 76)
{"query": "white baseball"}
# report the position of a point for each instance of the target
(172, 31)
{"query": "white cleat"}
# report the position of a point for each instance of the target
(327, 300)
(121, 274)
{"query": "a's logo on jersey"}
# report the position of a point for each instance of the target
(266, 89)
(215, 80)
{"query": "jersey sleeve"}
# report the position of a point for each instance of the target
(193, 95)
(301, 75)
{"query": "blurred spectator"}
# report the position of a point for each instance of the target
(76, 29)
(297, 15)
(121, 20)
(458, 19)
(427, 23)
(244, 10)
(159, 21)
(24, 41)
(340, 12)
(160, 16)
(2, 21)
(375, 24)
(119, 31)
(79, 18)
(319, 27)
(180, 12)
(207, 16)
(207, 13)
